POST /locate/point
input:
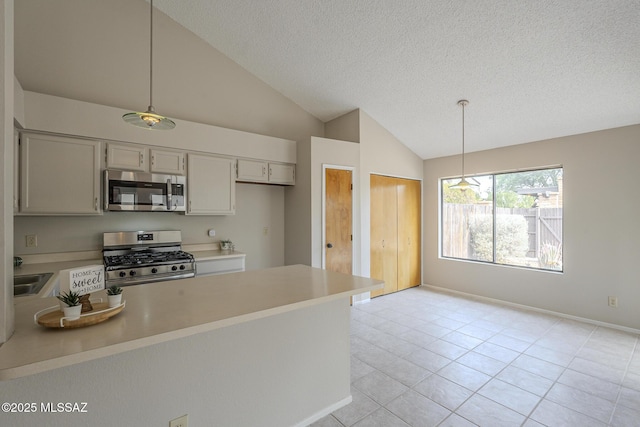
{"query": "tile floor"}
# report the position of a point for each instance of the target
(425, 358)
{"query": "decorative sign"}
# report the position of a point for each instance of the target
(82, 280)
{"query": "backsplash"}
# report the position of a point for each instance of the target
(258, 208)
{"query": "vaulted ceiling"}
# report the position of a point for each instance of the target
(531, 69)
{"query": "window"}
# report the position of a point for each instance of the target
(510, 218)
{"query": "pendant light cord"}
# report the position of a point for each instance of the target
(151, 56)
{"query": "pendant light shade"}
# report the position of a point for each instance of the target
(463, 184)
(149, 119)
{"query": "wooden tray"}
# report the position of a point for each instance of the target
(53, 317)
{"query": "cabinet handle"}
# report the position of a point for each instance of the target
(329, 245)
(95, 204)
(169, 195)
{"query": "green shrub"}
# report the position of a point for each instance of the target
(512, 239)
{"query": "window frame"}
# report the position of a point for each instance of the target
(494, 214)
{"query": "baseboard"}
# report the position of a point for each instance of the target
(323, 413)
(536, 309)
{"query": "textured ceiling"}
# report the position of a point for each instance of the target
(531, 69)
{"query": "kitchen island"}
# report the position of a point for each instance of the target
(265, 347)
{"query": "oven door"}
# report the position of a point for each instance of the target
(139, 191)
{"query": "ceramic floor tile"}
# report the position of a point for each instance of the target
(581, 401)
(554, 415)
(381, 418)
(482, 363)
(525, 380)
(417, 410)
(485, 412)
(455, 420)
(597, 370)
(360, 407)
(379, 387)
(630, 398)
(464, 376)
(418, 338)
(328, 421)
(477, 332)
(509, 342)
(497, 352)
(509, 364)
(446, 349)
(444, 392)
(548, 354)
(428, 360)
(632, 380)
(537, 366)
(625, 417)
(591, 385)
(462, 340)
(359, 369)
(406, 372)
(510, 396)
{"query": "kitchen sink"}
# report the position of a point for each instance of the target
(29, 284)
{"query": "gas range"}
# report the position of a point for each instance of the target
(135, 257)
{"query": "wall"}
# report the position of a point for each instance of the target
(257, 207)
(6, 172)
(331, 152)
(380, 153)
(601, 206)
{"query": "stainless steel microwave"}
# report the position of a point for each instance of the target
(140, 191)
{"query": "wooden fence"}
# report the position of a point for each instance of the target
(544, 226)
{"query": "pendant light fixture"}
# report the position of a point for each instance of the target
(463, 184)
(150, 119)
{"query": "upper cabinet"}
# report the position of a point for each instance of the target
(139, 158)
(282, 174)
(170, 162)
(59, 175)
(266, 172)
(211, 188)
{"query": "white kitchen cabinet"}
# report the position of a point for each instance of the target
(59, 175)
(126, 157)
(211, 188)
(169, 162)
(266, 172)
(16, 171)
(282, 174)
(219, 265)
(252, 170)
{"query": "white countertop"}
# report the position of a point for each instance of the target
(163, 311)
(56, 262)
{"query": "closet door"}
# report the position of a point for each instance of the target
(384, 233)
(395, 233)
(409, 231)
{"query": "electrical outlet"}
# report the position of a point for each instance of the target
(32, 240)
(613, 301)
(183, 421)
(265, 231)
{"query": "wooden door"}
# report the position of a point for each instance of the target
(384, 231)
(338, 220)
(409, 231)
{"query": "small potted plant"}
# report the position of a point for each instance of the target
(114, 294)
(71, 305)
(226, 244)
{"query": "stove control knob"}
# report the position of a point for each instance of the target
(182, 267)
(132, 273)
(122, 273)
(174, 268)
(154, 270)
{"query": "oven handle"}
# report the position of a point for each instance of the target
(169, 196)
